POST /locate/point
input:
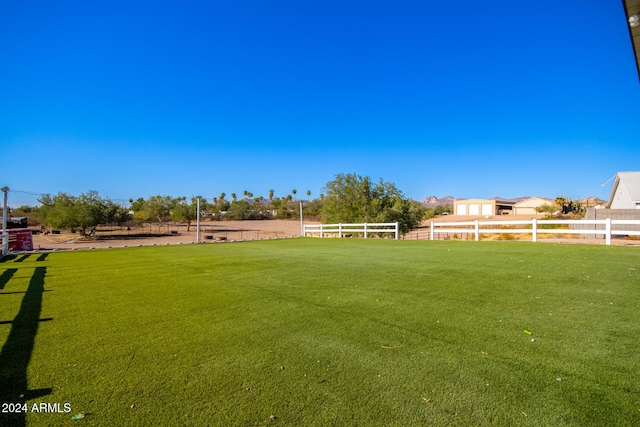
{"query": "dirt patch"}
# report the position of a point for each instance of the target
(169, 234)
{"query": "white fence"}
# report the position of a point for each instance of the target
(5, 244)
(345, 229)
(534, 227)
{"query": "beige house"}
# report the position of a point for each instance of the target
(528, 206)
(482, 207)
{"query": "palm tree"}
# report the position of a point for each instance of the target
(234, 197)
(308, 194)
(294, 191)
(271, 192)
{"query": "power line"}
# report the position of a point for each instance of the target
(26, 192)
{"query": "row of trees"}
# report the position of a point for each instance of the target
(349, 198)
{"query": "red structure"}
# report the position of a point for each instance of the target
(20, 239)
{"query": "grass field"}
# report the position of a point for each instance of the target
(324, 332)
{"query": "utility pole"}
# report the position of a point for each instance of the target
(198, 222)
(5, 237)
(301, 221)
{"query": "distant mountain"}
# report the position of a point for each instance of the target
(592, 201)
(434, 202)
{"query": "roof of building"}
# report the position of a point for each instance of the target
(530, 199)
(630, 181)
(632, 10)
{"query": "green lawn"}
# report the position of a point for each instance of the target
(324, 332)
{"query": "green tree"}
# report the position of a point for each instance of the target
(240, 210)
(84, 212)
(187, 212)
(352, 198)
(158, 208)
(547, 209)
(137, 205)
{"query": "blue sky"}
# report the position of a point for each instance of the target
(468, 99)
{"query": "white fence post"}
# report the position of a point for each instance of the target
(5, 244)
(534, 230)
(365, 230)
(321, 230)
(432, 232)
(608, 230)
(340, 230)
(477, 230)
(397, 229)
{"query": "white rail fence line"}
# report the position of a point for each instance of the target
(340, 229)
(600, 227)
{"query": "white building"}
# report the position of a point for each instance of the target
(625, 193)
(528, 206)
(482, 207)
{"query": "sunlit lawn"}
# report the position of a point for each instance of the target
(324, 332)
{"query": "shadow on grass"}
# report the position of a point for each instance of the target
(6, 276)
(17, 350)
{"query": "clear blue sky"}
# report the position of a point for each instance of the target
(498, 98)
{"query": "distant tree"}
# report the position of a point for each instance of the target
(352, 198)
(308, 194)
(137, 205)
(271, 193)
(234, 197)
(276, 204)
(23, 210)
(441, 209)
(158, 208)
(84, 212)
(241, 210)
(294, 192)
(257, 203)
(185, 212)
(547, 209)
(313, 208)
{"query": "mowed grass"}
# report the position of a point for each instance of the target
(325, 332)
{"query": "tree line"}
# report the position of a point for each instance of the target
(347, 198)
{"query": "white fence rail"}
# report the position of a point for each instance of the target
(534, 227)
(344, 229)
